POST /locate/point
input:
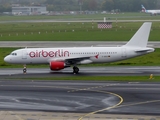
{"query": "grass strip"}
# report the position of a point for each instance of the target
(72, 31)
(101, 78)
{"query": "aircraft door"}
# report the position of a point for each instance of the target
(24, 54)
(124, 54)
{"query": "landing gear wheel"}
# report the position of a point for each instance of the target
(75, 70)
(24, 69)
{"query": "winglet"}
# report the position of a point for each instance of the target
(140, 38)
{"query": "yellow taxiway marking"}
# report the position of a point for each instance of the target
(108, 108)
(90, 88)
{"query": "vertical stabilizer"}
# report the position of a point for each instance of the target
(140, 38)
(143, 8)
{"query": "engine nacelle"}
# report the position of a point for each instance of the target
(55, 65)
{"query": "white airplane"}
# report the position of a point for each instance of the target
(151, 12)
(60, 58)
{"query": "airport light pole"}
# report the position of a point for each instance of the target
(80, 6)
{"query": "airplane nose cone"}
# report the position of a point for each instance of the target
(6, 59)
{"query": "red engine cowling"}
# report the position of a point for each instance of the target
(55, 65)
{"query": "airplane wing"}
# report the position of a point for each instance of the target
(72, 60)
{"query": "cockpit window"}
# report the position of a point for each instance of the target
(14, 54)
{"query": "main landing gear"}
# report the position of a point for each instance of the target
(75, 70)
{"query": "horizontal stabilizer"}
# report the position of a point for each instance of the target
(145, 50)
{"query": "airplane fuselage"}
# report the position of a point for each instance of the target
(153, 11)
(94, 54)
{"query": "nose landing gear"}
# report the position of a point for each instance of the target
(24, 69)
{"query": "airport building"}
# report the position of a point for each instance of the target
(31, 10)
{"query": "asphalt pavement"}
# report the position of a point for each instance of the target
(84, 99)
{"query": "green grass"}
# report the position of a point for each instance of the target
(151, 59)
(82, 31)
(101, 78)
(72, 32)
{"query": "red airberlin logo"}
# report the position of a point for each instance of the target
(43, 53)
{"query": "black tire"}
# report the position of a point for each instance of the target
(75, 70)
(24, 70)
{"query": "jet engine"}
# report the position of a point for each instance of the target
(55, 65)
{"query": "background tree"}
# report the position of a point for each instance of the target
(62, 5)
(92, 5)
(108, 5)
(129, 5)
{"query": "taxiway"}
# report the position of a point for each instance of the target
(84, 71)
(84, 99)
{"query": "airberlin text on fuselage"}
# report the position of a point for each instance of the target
(43, 53)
